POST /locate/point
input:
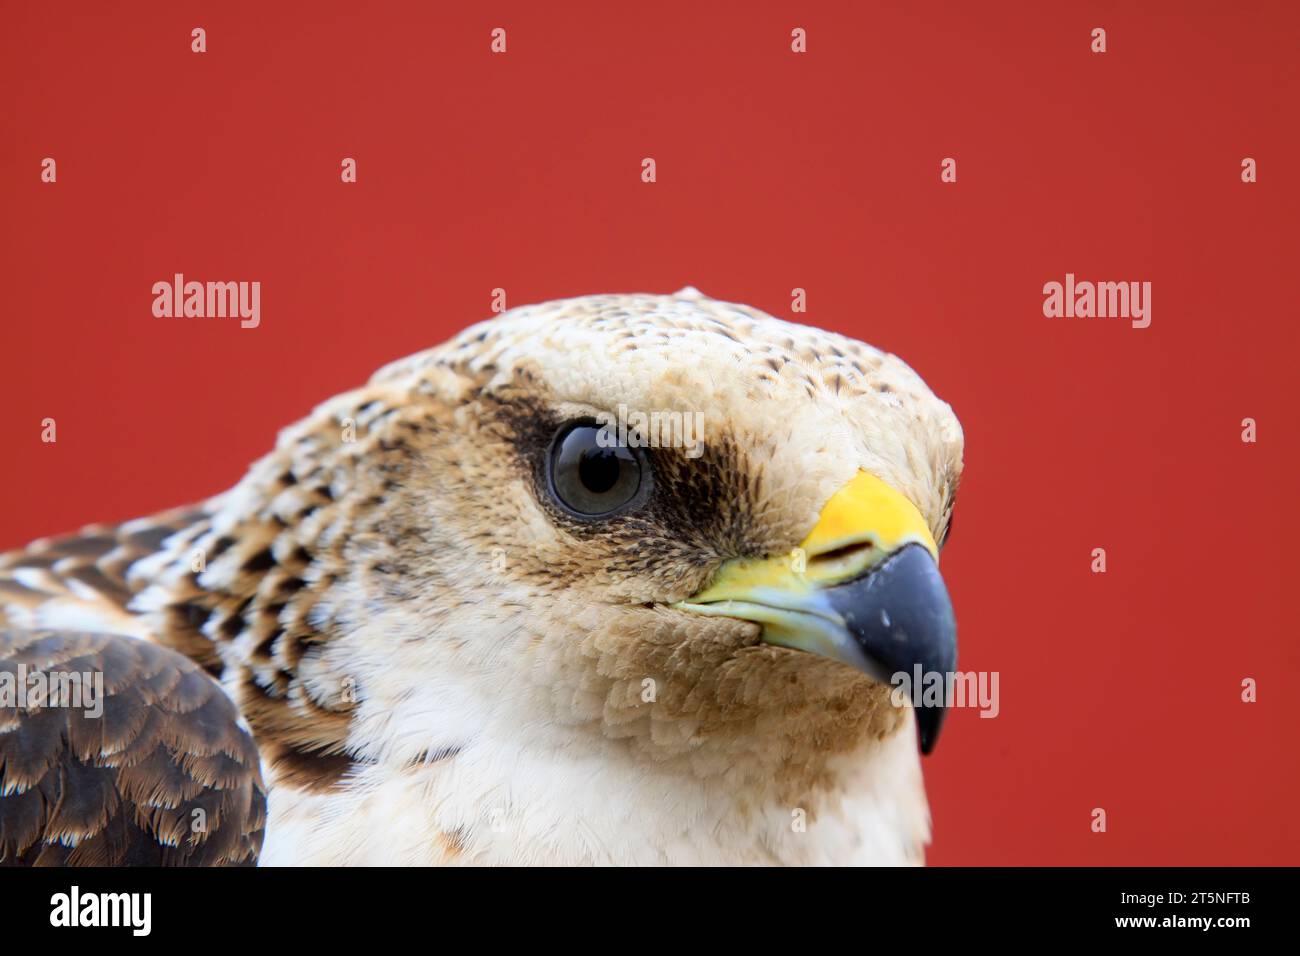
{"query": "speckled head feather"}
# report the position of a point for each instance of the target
(421, 638)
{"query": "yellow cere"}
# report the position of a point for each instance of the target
(864, 511)
(867, 504)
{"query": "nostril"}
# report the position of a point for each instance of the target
(843, 553)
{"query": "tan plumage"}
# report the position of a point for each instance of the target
(423, 645)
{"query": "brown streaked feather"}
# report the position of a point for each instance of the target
(122, 788)
(86, 571)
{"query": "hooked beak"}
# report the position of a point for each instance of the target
(863, 588)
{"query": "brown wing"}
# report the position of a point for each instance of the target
(84, 572)
(162, 775)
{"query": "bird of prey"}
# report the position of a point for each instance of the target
(457, 617)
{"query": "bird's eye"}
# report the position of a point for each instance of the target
(592, 476)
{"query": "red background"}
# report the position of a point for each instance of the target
(775, 170)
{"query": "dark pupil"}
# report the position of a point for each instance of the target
(598, 470)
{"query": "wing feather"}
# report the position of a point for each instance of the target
(165, 775)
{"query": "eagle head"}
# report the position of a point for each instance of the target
(636, 558)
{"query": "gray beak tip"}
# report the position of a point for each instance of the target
(900, 615)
